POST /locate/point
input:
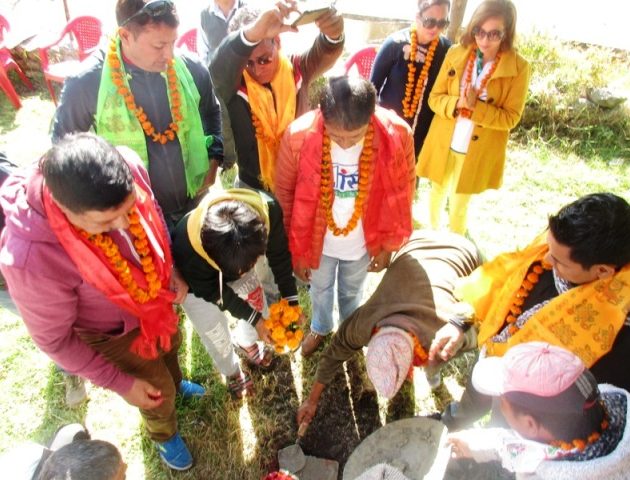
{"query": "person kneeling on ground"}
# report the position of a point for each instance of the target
(399, 321)
(569, 287)
(217, 247)
(562, 426)
(86, 257)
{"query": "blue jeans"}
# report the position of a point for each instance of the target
(350, 277)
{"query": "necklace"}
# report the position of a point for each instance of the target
(260, 134)
(464, 112)
(409, 110)
(580, 444)
(118, 78)
(326, 183)
(120, 265)
(531, 279)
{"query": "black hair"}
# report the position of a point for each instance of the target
(348, 102)
(596, 228)
(566, 426)
(127, 8)
(84, 172)
(82, 460)
(234, 236)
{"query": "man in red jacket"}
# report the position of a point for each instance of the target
(345, 183)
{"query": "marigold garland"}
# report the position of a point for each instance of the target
(410, 107)
(327, 182)
(118, 78)
(141, 243)
(531, 279)
(271, 142)
(464, 112)
(283, 323)
(580, 444)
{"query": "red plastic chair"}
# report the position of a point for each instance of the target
(86, 32)
(188, 39)
(363, 59)
(8, 63)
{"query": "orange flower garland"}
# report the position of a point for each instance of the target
(410, 107)
(327, 182)
(522, 293)
(283, 323)
(105, 243)
(260, 134)
(118, 78)
(579, 443)
(464, 112)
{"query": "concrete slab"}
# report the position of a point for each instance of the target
(413, 445)
(319, 469)
(292, 458)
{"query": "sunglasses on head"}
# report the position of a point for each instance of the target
(429, 22)
(154, 9)
(492, 35)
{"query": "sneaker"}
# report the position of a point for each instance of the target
(75, 390)
(310, 343)
(188, 389)
(175, 453)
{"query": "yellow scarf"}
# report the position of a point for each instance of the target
(585, 320)
(272, 118)
(252, 198)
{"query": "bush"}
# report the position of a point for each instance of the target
(557, 110)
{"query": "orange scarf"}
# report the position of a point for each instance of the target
(585, 320)
(158, 320)
(272, 111)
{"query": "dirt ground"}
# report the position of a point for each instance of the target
(348, 412)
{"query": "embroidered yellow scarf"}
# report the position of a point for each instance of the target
(585, 320)
(273, 110)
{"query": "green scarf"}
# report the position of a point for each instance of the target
(119, 126)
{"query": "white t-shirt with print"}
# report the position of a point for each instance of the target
(345, 166)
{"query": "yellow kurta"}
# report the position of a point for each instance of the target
(494, 118)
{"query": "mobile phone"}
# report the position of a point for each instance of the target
(309, 16)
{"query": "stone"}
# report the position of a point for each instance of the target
(415, 446)
(604, 97)
(292, 458)
(319, 469)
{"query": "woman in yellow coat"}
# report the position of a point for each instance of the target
(478, 97)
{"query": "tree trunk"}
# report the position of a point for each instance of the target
(458, 8)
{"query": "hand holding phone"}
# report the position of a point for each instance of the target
(310, 16)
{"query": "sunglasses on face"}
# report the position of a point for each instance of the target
(429, 22)
(264, 60)
(154, 9)
(492, 35)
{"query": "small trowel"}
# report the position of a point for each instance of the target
(292, 458)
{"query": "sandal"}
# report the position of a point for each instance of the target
(258, 355)
(240, 385)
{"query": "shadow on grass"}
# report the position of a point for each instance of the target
(56, 413)
(209, 425)
(346, 414)
(272, 411)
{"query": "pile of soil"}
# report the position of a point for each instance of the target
(348, 413)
